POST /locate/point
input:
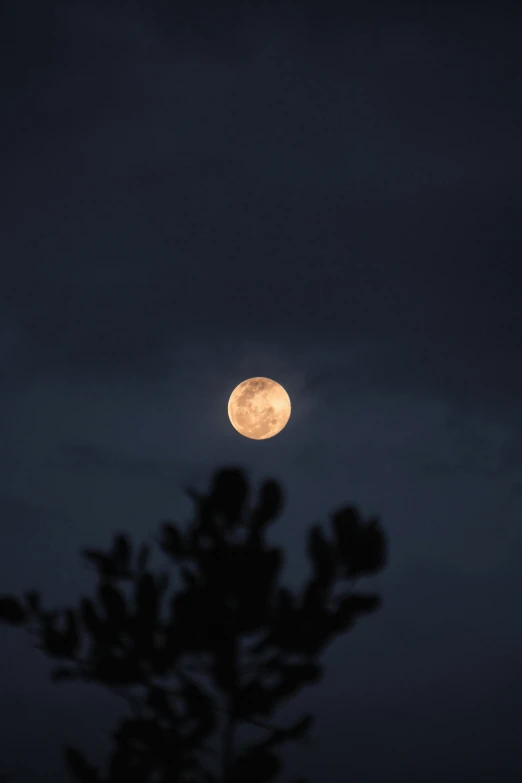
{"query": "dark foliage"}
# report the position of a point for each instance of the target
(229, 621)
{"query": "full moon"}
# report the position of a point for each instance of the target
(259, 408)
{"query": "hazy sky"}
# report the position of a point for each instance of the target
(330, 199)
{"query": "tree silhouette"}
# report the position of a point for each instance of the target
(224, 648)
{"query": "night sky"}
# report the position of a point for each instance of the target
(328, 198)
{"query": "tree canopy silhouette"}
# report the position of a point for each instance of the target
(226, 646)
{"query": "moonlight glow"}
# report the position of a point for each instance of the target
(259, 408)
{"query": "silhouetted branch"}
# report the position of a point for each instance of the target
(228, 592)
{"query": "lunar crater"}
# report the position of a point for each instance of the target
(259, 408)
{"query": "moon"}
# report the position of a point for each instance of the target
(259, 408)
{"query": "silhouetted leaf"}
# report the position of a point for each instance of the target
(172, 540)
(143, 558)
(189, 577)
(121, 553)
(295, 733)
(193, 494)
(228, 495)
(32, 600)
(60, 643)
(270, 505)
(300, 728)
(255, 765)
(200, 708)
(321, 555)
(130, 765)
(204, 522)
(118, 669)
(142, 730)
(362, 547)
(223, 667)
(273, 562)
(160, 703)
(100, 560)
(252, 699)
(360, 604)
(62, 674)
(286, 602)
(295, 676)
(255, 583)
(283, 624)
(146, 613)
(314, 597)
(79, 768)
(11, 610)
(114, 604)
(370, 554)
(93, 623)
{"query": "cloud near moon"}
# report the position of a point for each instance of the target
(259, 408)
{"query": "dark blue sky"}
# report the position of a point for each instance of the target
(329, 199)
